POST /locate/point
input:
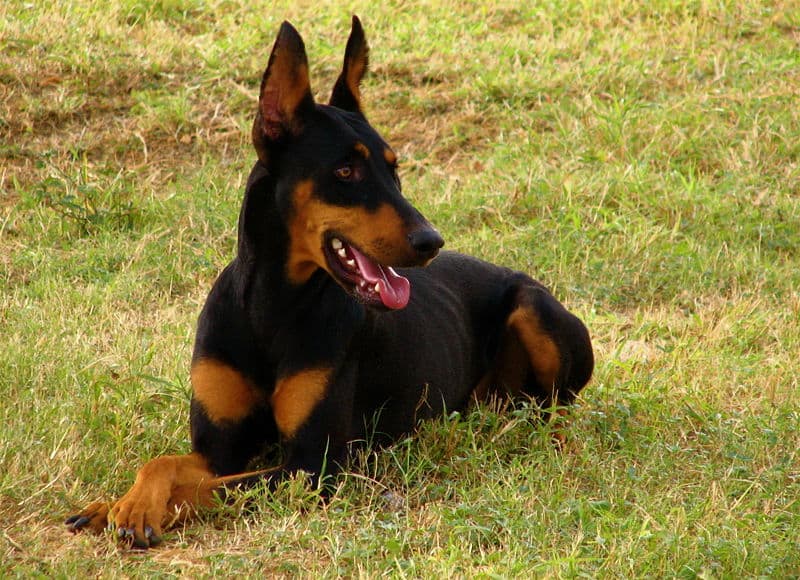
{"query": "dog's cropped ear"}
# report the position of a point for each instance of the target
(285, 96)
(346, 93)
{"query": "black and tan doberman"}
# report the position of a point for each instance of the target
(326, 325)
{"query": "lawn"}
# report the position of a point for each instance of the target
(640, 159)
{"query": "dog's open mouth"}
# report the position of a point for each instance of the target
(370, 282)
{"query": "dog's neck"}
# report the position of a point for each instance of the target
(263, 246)
(263, 238)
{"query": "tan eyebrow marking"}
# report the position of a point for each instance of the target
(361, 148)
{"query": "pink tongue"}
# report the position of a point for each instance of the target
(395, 289)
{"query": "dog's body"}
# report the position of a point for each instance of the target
(310, 338)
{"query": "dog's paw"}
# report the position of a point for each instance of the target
(134, 538)
(93, 518)
(138, 517)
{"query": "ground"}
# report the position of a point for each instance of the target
(641, 159)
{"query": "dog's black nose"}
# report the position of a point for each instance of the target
(426, 242)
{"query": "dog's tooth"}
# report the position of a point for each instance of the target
(336, 243)
(377, 287)
(362, 283)
(342, 252)
(351, 263)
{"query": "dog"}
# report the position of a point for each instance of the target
(334, 320)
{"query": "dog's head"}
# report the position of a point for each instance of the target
(336, 179)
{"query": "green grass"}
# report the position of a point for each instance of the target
(642, 160)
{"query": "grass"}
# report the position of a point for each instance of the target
(640, 159)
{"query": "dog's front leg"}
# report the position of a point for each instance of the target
(313, 410)
(166, 489)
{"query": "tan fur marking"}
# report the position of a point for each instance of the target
(305, 253)
(167, 489)
(542, 351)
(296, 396)
(223, 392)
(361, 148)
(390, 156)
(381, 234)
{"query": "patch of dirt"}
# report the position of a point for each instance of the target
(423, 121)
(50, 117)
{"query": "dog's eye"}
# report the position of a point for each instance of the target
(344, 173)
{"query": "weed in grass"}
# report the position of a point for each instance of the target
(84, 203)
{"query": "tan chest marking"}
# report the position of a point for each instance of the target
(223, 392)
(296, 397)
